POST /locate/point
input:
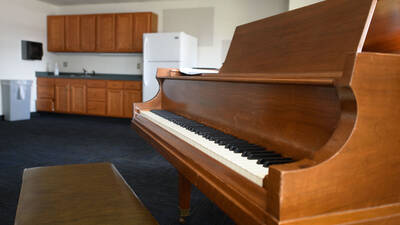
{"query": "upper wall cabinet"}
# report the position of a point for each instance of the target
(121, 32)
(55, 33)
(143, 22)
(124, 32)
(105, 41)
(72, 37)
(87, 31)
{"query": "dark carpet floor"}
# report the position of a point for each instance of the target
(51, 139)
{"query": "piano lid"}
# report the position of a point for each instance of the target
(316, 38)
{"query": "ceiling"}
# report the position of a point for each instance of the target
(83, 2)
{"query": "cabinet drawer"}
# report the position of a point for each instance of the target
(61, 82)
(133, 85)
(45, 92)
(96, 94)
(46, 105)
(45, 81)
(96, 108)
(77, 82)
(115, 84)
(96, 83)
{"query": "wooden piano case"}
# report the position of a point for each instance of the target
(320, 84)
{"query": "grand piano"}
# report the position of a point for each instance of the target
(301, 125)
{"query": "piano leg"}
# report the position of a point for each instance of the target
(185, 189)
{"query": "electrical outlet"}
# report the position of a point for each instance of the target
(65, 64)
(138, 66)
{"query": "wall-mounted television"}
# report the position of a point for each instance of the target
(32, 50)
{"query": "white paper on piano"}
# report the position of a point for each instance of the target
(197, 71)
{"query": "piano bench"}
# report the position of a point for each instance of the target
(90, 194)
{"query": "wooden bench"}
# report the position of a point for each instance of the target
(87, 194)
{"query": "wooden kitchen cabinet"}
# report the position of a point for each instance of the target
(96, 97)
(143, 23)
(87, 31)
(105, 32)
(121, 32)
(115, 102)
(72, 33)
(124, 32)
(132, 94)
(55, 33)
(78, 96)
(62, 96)
(92, 97)
(130, 97)
(96, 108)
(45, 94)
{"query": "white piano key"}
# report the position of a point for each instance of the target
(245, 167)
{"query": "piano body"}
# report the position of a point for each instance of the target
(319, 85)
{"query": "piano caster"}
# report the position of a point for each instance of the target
(183, 214)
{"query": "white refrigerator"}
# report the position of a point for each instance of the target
(165, 50)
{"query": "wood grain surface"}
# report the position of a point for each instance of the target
(90, 194)
(298, 83)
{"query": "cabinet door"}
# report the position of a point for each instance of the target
(142, 23)
(72, 31)
(87, 33)
(115, 103)
(45, 94)
(105, 38)
(55, 33)
(131, 97)
(44, 91)
(62, 96)
(96, 108)
(124, 32)
(96, 94)
(78, 96)
(45, 105)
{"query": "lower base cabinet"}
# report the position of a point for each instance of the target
(45, 95)
(46, 105)
(78, 96)
(115, 103)
(62, 96)
(131, 97)
(96, 108)
(91, 97)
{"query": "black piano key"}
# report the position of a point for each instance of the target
(248, 150)
(260, 154)
(239, 144)
(267, 159)
(242, 149)
(269, 163)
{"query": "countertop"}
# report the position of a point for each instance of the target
(133, 77)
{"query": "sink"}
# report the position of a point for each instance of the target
(76, 75)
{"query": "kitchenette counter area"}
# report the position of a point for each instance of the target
(100, 94)
(97, 76)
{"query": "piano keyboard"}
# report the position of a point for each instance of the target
(249, 160)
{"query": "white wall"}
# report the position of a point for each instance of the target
(227, 15)
(100, 62)
(22, 20)
(26, 20)
(294, 4)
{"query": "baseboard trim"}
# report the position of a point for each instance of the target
(33, 114)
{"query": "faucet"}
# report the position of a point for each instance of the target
(84, 71)
(93, 72)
